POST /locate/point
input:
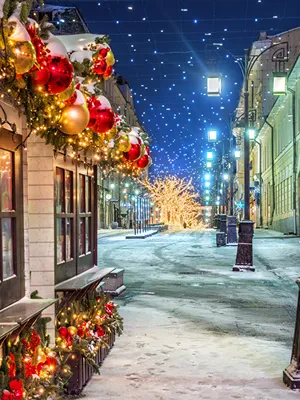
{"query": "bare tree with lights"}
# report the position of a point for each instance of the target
(177, 200)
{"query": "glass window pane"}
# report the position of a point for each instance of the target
(6, 180)
(69, 191)
(60, 245)
(59, 187)
(7, 247)
(88, 199)
(81, 236)
(88, 234)
(69, 239)
(81, 193)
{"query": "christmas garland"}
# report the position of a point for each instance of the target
(85, 326)
(62, 100)
(31, 370)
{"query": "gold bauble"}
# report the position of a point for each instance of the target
(72, 330)
(42, 357)
(110, 58)
(74, 119)
(68, 93)
(124, 143)
(111, 134)
(24, 56)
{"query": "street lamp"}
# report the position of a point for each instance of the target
(214, 85)
(237, 154)
(209, 155)
(279, 83)
(251, 133)
(212, 135)
(244, 258)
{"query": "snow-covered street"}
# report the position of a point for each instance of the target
(193, 328)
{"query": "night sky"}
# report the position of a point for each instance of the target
(163, 49)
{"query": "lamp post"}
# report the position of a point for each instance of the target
(244, 258)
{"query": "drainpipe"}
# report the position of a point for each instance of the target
(273, 170)
(294, 159)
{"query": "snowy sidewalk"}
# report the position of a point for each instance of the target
(196, 330)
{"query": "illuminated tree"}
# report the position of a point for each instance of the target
(177, 200)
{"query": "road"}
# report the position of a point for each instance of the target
(195, 329)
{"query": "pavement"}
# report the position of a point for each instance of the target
(193, 328)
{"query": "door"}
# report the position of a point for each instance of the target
(75, 216)
(11, 220)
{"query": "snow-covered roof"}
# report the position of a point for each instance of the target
(78, 42)
(50, 8)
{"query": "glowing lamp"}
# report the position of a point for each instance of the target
(207, 177)
(237, 154)
(108, 196)
(207, 198)
(209, 155)
(208, 164)
(279, 83)
(212, 136)
(251, 133)
(213, 86)
(207, 184)
(226, 177)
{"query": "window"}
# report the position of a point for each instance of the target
(11, 221)
(74, 219)
(85, 214)
(8, 215)
(64, 215)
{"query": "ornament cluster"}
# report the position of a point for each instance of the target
(84, 326)
(59, 104)
(31, 369)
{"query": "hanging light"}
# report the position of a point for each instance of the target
(212, 135)
(225, 176)
(213, 85)
(209, 164)
(207, 177)
(210, 155)
(237, 154)
(279, 83)
(252, 133)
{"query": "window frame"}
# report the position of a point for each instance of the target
(80, 262)
(12, 288)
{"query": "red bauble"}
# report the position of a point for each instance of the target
(71, 100)
(134, 153)
(6, 395)
(101, 119)
(103, 52)
(51, 362)
(143, 161)
(108, 72)
(61, 75)
(100, 331)
(100, 67)
(80, 332)
(148, 150)
(40, 77)
(63, 332)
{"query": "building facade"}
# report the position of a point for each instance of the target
(270, 175)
